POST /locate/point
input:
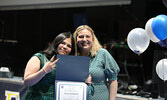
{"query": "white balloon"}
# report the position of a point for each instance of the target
(137, 40)
(149, 31)
(161, 69)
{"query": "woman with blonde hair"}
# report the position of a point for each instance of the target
(102, 67)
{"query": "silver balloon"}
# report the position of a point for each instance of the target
(149, 32)
(137, 40)
(161, 69)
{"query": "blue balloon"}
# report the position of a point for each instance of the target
(159, 27)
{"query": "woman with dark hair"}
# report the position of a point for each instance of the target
(40, 70)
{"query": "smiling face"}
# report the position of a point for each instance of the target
(84, 40)
(64, 48)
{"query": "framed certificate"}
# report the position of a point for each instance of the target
(66, 90)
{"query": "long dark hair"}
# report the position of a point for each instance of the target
(52, 49)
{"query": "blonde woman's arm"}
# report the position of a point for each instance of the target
(113, 89)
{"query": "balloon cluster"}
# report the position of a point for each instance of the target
(155, 30)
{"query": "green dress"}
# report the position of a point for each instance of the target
(102, 67)
(44, 89)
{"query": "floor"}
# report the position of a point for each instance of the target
(133, 97)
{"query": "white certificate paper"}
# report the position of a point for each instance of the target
(71, 90)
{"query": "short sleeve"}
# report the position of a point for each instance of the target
(39, 55)
(110, 65)
(41, 58)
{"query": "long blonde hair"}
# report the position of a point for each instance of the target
(96, 45)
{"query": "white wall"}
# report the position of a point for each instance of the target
(39, 4)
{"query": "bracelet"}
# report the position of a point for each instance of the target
(45, 71)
